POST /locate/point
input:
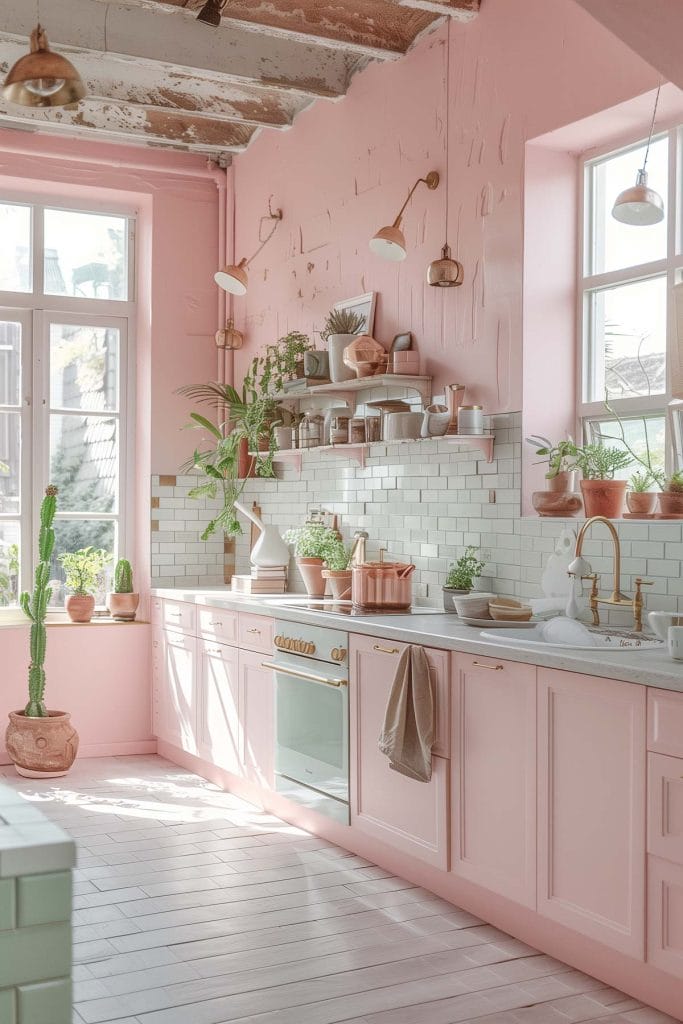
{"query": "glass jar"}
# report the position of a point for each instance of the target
(357, 430)
(373, 428)
(339, 429)
(315, 429)
(471, 419)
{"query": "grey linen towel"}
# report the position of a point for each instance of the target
(408, 729)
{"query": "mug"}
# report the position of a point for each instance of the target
(316, 365)
(676, 642)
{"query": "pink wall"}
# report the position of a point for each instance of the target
(519, 70)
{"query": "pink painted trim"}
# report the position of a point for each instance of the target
(638, 979)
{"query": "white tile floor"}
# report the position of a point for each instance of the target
(192, 907)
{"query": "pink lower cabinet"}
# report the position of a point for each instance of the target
(493, 795)
(591, 807)
(408, 815)
(256, 705)
(178, 695)
(218, 723)
(157, 677)
(665, 915)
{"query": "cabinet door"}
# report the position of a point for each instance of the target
(256, 704)
(665, 807)
(591, 807)
(665, 915)
(494, 775)
(218, 724)
(178, 709)
(408, 815)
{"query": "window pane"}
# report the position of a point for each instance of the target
(10, 362)
(84, 367)
(9, 563)
(10, 461)
(84, 462)
(640, 432)
(627, 330)
(617, 245)
(72, 535)
(15, 251)
(85, 255)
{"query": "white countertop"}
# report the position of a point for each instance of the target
(650, 667)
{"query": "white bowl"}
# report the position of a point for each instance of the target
(660, 622)
(473, 606)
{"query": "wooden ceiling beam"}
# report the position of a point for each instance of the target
(460, 10)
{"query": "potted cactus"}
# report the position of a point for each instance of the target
(42, 744)
(122, 602)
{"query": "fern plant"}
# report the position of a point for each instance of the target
(343, 321)
(35, 606)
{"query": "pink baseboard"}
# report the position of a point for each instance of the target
(104, 749)
(638, 979)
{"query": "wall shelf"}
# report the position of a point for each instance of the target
(348, 391)
(484, 442)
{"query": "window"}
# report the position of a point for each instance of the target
(66, 310)
(628, 331)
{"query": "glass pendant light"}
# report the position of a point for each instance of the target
(446, 272)
(43, 78)
(389, 242)
(640, 205)
(233, 278)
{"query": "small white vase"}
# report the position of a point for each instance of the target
(336, 343)
(269, 549)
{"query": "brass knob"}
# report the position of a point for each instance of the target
(338, 653)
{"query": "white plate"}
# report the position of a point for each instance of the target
(497, 623)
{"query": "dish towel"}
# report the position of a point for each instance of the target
(408, 729)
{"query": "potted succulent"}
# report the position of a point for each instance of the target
(641, 501)
(341, 327)
(315, 546)
(461, 576)
(671, 498)
(338, 572)
(42, 744)
(561, 462)
(122, 602)
(602, 494)
(83, 569)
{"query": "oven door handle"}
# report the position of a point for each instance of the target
(298, 674)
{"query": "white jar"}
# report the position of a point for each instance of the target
(471, 419)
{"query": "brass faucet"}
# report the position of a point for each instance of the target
(580, 567)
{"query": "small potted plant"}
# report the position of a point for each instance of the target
(341, 327)
(337, 572)
(461, 577)
(41, 743)
(83, 569)
(641, 501)
(671, 498)
(122, 602)
(314, 544)
(561, 462)
(602, 494)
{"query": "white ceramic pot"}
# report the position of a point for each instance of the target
(283, 438)
(336, 343)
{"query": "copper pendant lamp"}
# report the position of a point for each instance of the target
(233, 278)
(389, 242)
(640, 205)
(446, 272)
(43, 78)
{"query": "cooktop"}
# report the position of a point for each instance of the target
(347, 608)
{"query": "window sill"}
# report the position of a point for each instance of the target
(11, 619)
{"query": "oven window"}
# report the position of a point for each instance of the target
(310, 721)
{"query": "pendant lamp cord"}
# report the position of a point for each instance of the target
(652, 126)
(448, 134)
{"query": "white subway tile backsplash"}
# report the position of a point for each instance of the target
(424, 502)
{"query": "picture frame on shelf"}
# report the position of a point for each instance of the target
(365, 306)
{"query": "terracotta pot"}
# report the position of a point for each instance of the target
(603, 498)
(556, 503)
(340, 583)
(311, 570)
(80, 607)
(245, 462)
(123, 607)
(565, 482)
(41, 748)
(671, 503)
(641, 503)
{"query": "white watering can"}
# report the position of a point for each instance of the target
(269, 549)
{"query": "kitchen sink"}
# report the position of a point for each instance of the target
(594, 638)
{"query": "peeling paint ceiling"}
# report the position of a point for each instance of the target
(157, 76)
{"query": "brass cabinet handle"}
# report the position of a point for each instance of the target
(385, 650)
(215, 622)
(175, 614)
(254, 630)
(287, 671)
(491, 668)
(213, 650)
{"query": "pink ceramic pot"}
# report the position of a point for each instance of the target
(41, 748)
(556, 503)
(80, 607)
(123, 607)
(311, 570)
(641, 503)
(603, 498)
(340, 583)
(671, 503)
(565, 482)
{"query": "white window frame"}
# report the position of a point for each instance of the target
(35, 310)
(670, 267)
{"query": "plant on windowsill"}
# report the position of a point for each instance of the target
(602, 494)
(560, 459)
(671, 498)
(461, 577)
(315, 546)
(41, 743)
(83, 571)
(122, 602)
(641, 501)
